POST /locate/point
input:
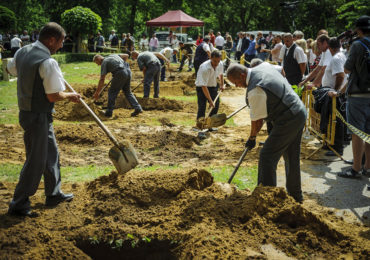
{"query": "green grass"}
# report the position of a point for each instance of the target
(8, 102)
(75, 72)
(246, 177)
(10, 172)
(192, 99)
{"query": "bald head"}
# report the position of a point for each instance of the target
(237, 74)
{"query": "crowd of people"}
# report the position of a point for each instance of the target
(291, 60)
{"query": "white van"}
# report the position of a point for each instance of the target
(163, 41)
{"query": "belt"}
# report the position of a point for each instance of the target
(363, 95)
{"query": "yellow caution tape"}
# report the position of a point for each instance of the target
(364, 136)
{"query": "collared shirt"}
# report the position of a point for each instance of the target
(251, 49)
(154, 42)
(239, 46)
(167, 52)
(207, 75)
(15, 42)
(219, 41)
(49, 70)
(146, 59)
(257, 101)
(325, 58)
(298, 54)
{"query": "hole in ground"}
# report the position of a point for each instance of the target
(153, 250)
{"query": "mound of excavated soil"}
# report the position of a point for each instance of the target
(151, 103)
(70, 111)
(89, 134)
(178, 214)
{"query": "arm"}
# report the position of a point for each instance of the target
(208, 96)
(339, 78)
(222, 82)
(256, 127)
(124, 56)
(54, 97)
(144, 70)
(162, 57)
(302, 67)
(100, 86)
(311, 76)
(320, 74)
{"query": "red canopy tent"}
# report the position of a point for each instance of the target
(176, 18)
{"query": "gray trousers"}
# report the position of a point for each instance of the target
(152, 74)
(42, 158)
(121, 81)
(284, 140)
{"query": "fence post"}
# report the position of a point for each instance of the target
(5, 73)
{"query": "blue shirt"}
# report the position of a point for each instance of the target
(251, 49)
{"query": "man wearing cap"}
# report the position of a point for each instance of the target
(121, 79)
(358, 97)
(271, 98)
(167, 52)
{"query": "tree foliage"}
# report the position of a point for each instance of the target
(7, 18)
(81, 20)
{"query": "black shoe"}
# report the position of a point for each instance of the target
(179, 69)
(136, 112)
(349, 173)
(331, 153)
(55, 200)
(145, 96)
(190, 70)
(23, 213)
(156, 96)
(108, 113)
(202, 135)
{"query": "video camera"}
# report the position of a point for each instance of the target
(346, 38)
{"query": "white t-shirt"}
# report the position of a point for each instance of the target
(257, 100)
(298, 54)
(15, 42)
(207, 75)
(144, 43)
(49, 70)
(312, 57)
(325, 58)
(219, 41)
(335, 66)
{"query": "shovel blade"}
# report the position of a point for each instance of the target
(204, 123)
(119, 155)
(217, 120)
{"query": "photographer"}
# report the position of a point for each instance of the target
(358, 92)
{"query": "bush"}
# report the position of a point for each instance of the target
(7, 19)
(81, 20)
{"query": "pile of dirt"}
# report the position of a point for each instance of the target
(170, 88)
(151, 103)
(69, 111)
(165, 122)
(177, 214)
(89, 134)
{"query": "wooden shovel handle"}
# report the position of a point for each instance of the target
(235, 112)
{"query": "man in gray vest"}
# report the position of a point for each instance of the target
(120, 69)
(271, 98)
(40, 84)
(150, 65)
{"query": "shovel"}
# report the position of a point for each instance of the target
(99, 102)
(238, 165)
(220, 119)
(132, 90)
(122, 155)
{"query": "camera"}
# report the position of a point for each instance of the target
(346, 38)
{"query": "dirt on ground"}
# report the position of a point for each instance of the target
(176, 214)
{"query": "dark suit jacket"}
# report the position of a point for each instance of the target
(245, 44)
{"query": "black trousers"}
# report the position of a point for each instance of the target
(202, 101)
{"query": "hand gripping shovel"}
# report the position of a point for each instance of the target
(220, 119)
(238, 165)
(98, 102)
(202, 122)
(122, 155)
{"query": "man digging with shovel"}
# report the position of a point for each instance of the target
(207, 87)
(121, 73)
(270, 97)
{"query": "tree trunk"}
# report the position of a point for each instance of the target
(132, 17)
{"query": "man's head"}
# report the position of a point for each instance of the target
(175, 51)
(277, 38)
(153, 35)
(218, 33)
(134, 55)
(25, 32)
(334, 45)
(322, 42)
(255, 62)
(297, 35)
(251, 37)
(363, 25)
(215, 58)
(52, 36)
(181, 44)
(210, 31)
(288, 39)
(98, 34)
(259, 35)
(237, 74)
(206, 39)
(113, 31)
(98, 59)
(322, 31)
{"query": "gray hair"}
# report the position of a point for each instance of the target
(235, 70)
(298, 34)
(255, 62)
(97, 56)
(216, 54)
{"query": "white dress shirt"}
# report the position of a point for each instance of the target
(219, 41)
(207, 75)
(49, 70)
(257, 100)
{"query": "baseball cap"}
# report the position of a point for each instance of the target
(363, 22)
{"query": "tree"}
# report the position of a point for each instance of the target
(7, 19)
(352, 10)
(80, 22)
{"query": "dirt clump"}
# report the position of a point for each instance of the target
(151, 103)
(176, 214)
(165, 122)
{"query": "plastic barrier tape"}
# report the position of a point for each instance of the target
(365, 137)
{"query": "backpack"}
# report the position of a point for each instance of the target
(364, 85)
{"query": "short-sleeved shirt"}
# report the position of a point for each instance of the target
(15, 42)
(49, 70)
(167, 52)
(100, 41)
(335, 66)
(146, 59)
(111, 63)
(275, 57)
(207, 75)
(325, 58)
(257, 101)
